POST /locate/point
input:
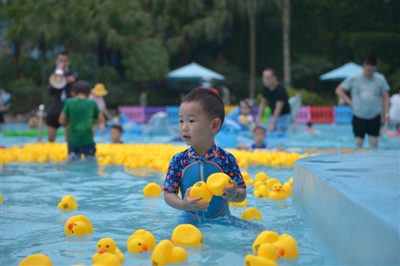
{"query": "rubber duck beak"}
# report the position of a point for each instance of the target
(102, 250)
(70, 226)
(277, 189)
(281, 252)
(144, 247)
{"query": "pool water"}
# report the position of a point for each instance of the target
(115, 205)
(113, 201)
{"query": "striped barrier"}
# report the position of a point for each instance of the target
(304, 115)
(322, 114)
(134, 113)
(173, 112)
(151, 110)
(343, 114)
(313, 114)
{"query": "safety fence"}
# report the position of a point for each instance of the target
(306, 114)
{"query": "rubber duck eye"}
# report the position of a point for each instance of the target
(72, 231)
(139, 244)
(99, 246)
(107, 246)
(75, 224)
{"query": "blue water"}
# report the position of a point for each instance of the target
(113, 201)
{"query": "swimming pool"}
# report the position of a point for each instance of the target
(113, 201)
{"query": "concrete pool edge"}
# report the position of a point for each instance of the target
(353, 200)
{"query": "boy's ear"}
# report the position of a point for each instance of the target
(216, 125)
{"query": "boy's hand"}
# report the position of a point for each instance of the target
(231, 192)
(191, 204)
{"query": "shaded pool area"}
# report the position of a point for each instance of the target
(354, 204)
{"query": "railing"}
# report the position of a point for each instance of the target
(313, 114)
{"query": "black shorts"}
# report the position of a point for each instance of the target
(366, 126)
(52, 120)
(1, 117)
(88, 150)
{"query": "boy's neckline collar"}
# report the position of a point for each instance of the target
(211, 152)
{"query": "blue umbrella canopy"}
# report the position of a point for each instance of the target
(193, 72)
(342, 72)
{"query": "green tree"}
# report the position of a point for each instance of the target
(98, 25)
(36, 23)
(310, 66)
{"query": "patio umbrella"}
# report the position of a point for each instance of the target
(339, 74)
(193, 72)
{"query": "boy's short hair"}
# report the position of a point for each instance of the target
(212, 104)
(119, 128)
(260, 128)
(371, 61)
(63, 53)
(81, 86)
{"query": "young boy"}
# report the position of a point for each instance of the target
(78, 114)
(259, 136)
(201, 115)
(116, 134)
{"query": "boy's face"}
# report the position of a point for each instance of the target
(115, 135)
(195, 127)
(244, 109)
(259, 136)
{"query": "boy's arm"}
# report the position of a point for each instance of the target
(100, 119)
(185, 204)
(235, 194)
(62, 119)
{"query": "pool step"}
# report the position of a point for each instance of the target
(353, 200)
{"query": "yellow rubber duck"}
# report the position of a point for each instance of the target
(261, 192)
(289, 246)
(257, 184)
(270, 251)
(1, 198)
(152, 190)
(261, 176)
(141, 240)
(252, 260)
(247, 179)
(199, 189)
(278, 193)
(68, 203)
(217, 181)
(287, 188)
(107, 259)
(165, 252)
(36, 259)
(264, 237)
(107, 245)
(271, 182)
(291, 180)
(187, 235)
(251, 214)
(238, 204)
(78, 225)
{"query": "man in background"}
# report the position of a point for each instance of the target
(368, 89)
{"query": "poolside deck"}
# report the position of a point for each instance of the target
(354, 202)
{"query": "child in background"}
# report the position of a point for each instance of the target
(201, 115)
(97, 95)
(310, 130)
(116, 134)
(246, 118)
(259, 136)
(79, 114)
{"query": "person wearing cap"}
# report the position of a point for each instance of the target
(97, 94)
(59, 95)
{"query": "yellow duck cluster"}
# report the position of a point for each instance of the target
(265, 186)
(132, 156)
